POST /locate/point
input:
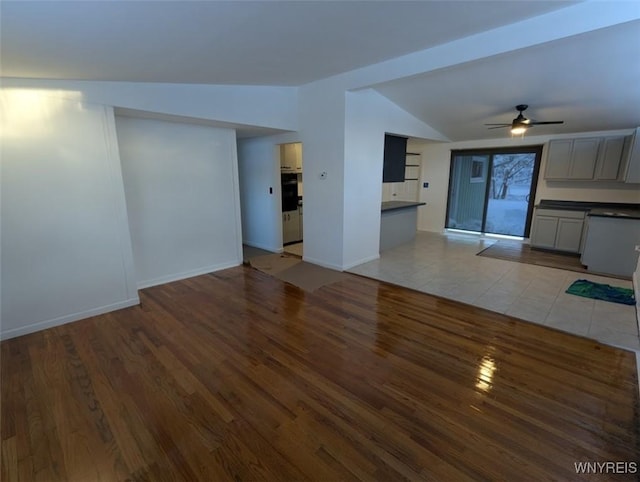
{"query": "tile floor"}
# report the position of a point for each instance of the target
(447, 265)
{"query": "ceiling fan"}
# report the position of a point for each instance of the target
(520, 124)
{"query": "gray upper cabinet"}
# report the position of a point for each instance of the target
(572, 159)
(610, 159)
(558, 159)
(588, 159)
(583, 158)
(631, 165)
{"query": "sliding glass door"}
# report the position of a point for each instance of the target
(467, 191)
(492, 190)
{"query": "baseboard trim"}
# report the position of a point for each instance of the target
(362, 261)
(187, 274)
(62, 320)
(334, 267)
(264, 247)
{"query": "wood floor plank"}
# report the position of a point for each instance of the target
(238, 376)
(524, 253)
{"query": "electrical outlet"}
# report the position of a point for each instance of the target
(425, 185)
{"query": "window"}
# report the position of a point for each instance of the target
(477, 170)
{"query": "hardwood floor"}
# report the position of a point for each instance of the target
(239, 376)
(523, 253)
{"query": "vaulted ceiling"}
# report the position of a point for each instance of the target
(589, 79)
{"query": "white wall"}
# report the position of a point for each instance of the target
(317, 110)
(259, 172)
(368, 117)
(321, 117)
(181, 185)
(436, 159)
(260, 106)
(341, 209)
(322, 134)
(66, 253)
(342, 136)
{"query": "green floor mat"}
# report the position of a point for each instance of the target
(599, 291)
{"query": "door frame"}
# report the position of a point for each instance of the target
(492, 151)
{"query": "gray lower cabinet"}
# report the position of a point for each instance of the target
(569, 234)
(543, 232)
(557, 229)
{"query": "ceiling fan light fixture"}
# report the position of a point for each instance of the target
(521, 124)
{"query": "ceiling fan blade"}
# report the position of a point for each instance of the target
(521, 123)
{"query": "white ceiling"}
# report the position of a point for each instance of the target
(590, 81)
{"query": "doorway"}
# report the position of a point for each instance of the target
(493, 190)
(292, 197)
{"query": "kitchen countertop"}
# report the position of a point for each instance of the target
(584, 205)
(600, 209)
(615, 213)
(393, 205)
